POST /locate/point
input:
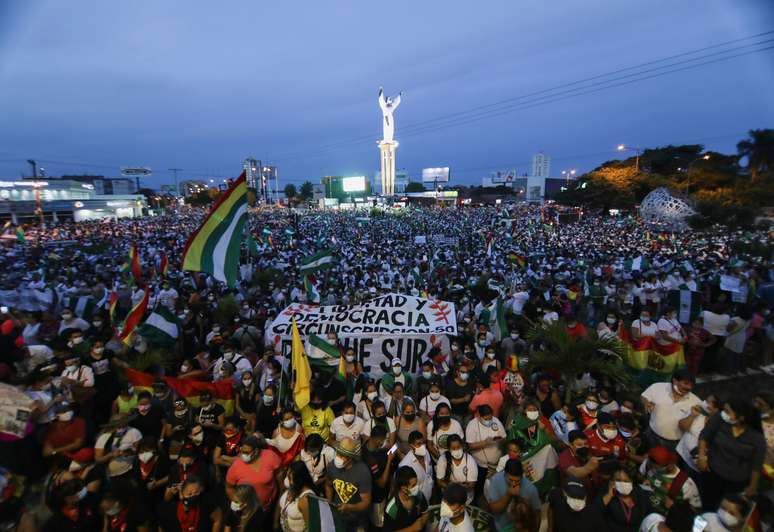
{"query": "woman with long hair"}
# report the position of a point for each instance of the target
(406, 507)
(442, 425)
(291, 514)
(245, 513)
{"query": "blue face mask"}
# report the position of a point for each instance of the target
(486, 422)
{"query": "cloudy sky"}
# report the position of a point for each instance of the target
(87, 86)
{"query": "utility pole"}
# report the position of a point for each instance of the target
(34, 165)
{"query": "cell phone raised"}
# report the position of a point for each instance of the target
(392, 449)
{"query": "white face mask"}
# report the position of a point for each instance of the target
(420, 451)
(348, 418)
(576, 505)
(727, 519)
(339, 462)
(532, 415)
(446, 510)
(490, 356)
(626, 410)
(397, 370)
(372, 396)
(247, 382)
(727, 418)
(457, 454)
(463, 376)
(435, 396)
(235, 506)
(67, 317)
(610, 433)
(591, 405)
(427, 374)
(228, 355)
(414, 491)
(624, 488)
(246, 457)
(145, 457)
(289, 423)
(65, 416)
(514, 336)
(198, 438)
(74, 466)
(349, 358)
(610, 321)
(97, 324)
(286, 482)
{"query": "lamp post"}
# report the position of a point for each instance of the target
(705, 157)
(622, 147)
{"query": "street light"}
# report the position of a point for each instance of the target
(568, 174)
(622, 147)
(705, 157)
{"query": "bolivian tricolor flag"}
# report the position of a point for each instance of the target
(521, 260)
(163, 267)
(112, 306)
(134, 318)
(134, 262)
(652, 362)
(215, 246)
(222, 391)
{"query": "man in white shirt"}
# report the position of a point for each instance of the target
(418, 459)
(71, 321)
(483, 435)
(241, 364)
(668, 404)
(77, 374)
(453, 517)
(347, 425)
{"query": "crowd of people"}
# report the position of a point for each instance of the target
(480, 437)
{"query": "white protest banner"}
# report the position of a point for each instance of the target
(729, 283)
(420, 239)
(15, 409)
(391, 314)
(375, 353)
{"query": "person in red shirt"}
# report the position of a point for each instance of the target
(604, 439)
(66, 434)
(489, 396)
(589, 410)
(576, 329)
(575, 460)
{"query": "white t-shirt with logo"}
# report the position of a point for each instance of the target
(667, 412)
(340, 429)
(477, 432)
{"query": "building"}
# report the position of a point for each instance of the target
(61, 199)
(191, 187)
(101, 184)
(251, 168)
(541, 165)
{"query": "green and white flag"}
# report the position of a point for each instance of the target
(638, 263)
(494, 317)
(321, 354)
(322, 518)
(319, 261)
(312, 291)
(687, 303)
(416, 275)
(162, 328)
(83, 306)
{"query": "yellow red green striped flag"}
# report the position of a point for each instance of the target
(214, 247)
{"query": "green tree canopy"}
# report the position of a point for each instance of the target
(415, 187)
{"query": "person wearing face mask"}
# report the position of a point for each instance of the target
(455, 466)
(405, 424)
(292, 513)
(425, 380)
(644, 327)
(668, 404)
(150, 418)
(441, 427)
(570, 510)
(70, 321)
(195, 509)
(604, 440)
(666, 482)
(396, 375)
(380, 418)
(576, 460)
(483, 435)
(692, 425)
(244, 512)
(418, 458)
(507, 488)
(151, 472)
(513, 343)
(764, 404)
(730, 516)
(123, 513)
(430, 402)
(379, 461)
(210, 415)
(197, 439)
(246, 399)
(625, 504)
(117, 442)
(610, 327)
(670, 331)
(537, 455)
(317, 456)
(227, 447)
(367, 398)
(317, 417)
(491, 395)
(287, 440)
(105, 381)
(406, 508)
(453, 517)
(460, 390)
(347, 425)
(78, 379)
(258, 467)
(731, 453)
(564, 421)
(126, 401)
(241, 364)
(71, 510)
(348, 484)
(65, 434)
(267, 411)
(589, 410)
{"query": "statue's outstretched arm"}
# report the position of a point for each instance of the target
(396, 101)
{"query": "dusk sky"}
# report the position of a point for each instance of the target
(202, 85)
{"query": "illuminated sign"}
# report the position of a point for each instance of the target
(353, 184)
(87, 186)
(117, 203)
(131, 171)
(78, 204)
(433, 175)
(7, 184)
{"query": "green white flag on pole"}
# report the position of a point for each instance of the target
(162, 328)
(638, 263)
(312, 291)
(322, 518)
(321, 354)
(317, 262)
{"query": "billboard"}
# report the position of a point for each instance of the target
(353, 184)
(432, 175)
(132, 171)
(507, 176)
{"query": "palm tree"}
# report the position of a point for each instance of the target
(558, 351)
(759, 150)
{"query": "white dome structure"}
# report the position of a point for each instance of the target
(659, 206)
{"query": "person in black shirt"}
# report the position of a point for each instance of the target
(120, 514)
(568, 509)
(150, 418)
(210, 415)
(333, 392)
(244, 513)
(625, 504)
(459, 391)
(151, 472)
(377, 459)
(266, 416)
(406, 506)
(227, 447)
(194, 510)
(177, 426)
(105, 381)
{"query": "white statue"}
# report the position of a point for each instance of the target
(388, 107)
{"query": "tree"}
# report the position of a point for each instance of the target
(415, 187)
(290, 191)
(306, 191)
(759, 150)
(561, 353)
